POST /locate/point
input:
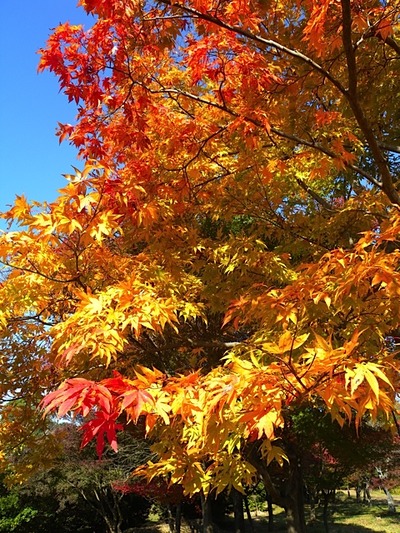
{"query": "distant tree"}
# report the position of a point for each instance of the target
(328, 455)
(384, 472)
(15, 516)
(79, 491)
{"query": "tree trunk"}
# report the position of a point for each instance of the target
(111, 525)
(178, 518)
(367, 494)
(171, 521)
(116, 511)
(313, 508)
(294, 505)
(110, 514)
(325, 510)
(270, 514)
(293, 499)
(312, 498)
(207, 514)
(390, 501)
(294, 517)
(248, 513)
(237, 499)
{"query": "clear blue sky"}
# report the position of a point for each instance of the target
(32, 161)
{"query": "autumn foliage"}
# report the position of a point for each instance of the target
(229, 252)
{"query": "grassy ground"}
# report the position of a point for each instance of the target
(348, 516)
(345, 516)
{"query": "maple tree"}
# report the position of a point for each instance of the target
(229, 249)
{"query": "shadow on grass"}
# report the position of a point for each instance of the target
(351, 517)
(344, 517)
(319, 528)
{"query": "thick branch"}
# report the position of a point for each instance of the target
(352, 97)
(261, 467)
(35, 270)
(314, 195)
(392, 43)
(387, 181)
(389, 147)
(348, 47)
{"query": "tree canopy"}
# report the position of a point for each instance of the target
(230, 248)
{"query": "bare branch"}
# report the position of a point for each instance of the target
(389, 147)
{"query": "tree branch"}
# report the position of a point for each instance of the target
(392, 43)
(314, 195)
(389, 147)
(352, 98)
(256, 38)
(348, 47)
(387, 181)
(277, 132)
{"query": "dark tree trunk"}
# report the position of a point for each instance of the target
(116, 511)
(313, 506)
(270, 514)
(292, 498)
(311, 496)
(178, 518)
(112, 526)
(109, 509)
(326, 495)
(237, 500)
(294, 505)
(207, 514)
(248, 513)
(171, 521)
(294, 517)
